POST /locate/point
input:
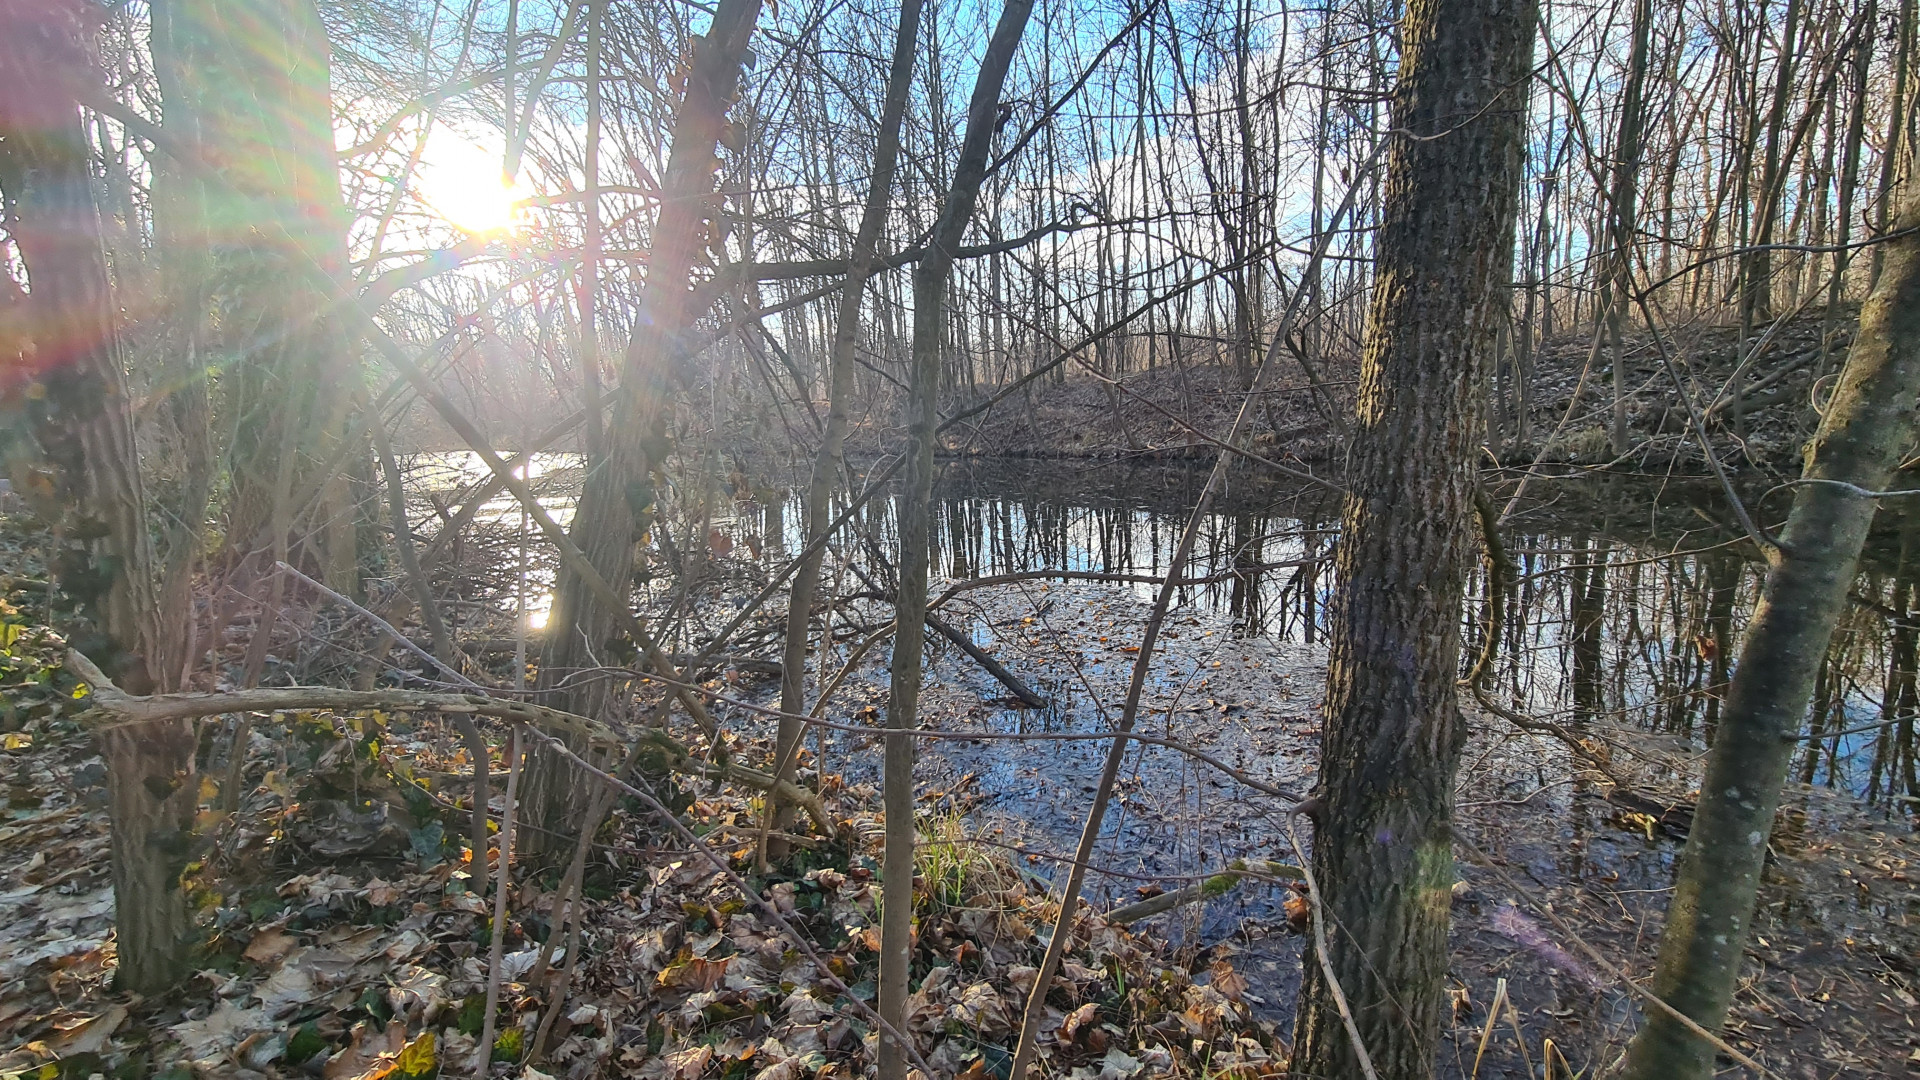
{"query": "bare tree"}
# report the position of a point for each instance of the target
(1867, 425)
(1383, 841)
(984, 113)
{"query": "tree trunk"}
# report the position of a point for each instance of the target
(247, 85)
(82, 423)
(1849, 183)
(618, 496)
(1868, 421)
(1383, 847)
(1895, 149)
(1757, 276)
(826, 462)
(152, 794)
(916, 519)
(1624, 202)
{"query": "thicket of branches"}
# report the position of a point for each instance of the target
(1175, 162)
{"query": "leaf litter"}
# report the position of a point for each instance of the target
(345, 940)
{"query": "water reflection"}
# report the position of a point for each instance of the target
(1628, 609)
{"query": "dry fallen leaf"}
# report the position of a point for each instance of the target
(269, 945)
(1299, 913)
(1227, 981)
(220, 1029)
(1077, 1019)
(367, 1051)
(90, 1036)
(688, 1064)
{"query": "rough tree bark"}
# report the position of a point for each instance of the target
(916, 519)
(617, 498)
(1868, 422)
(1383, 843)
(826, 461)
(76, 400)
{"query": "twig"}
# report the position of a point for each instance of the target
(1842, 484)
(502, 886)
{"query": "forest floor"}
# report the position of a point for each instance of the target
(346, 937)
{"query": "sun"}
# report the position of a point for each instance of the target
(461, 183)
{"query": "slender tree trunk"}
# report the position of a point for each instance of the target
(1894, 150)
(1849, 180)
(1868, 422)
(618, 497)
(916, 518)
(588, 287)
(249, 85)
(826, 462)
(1624, 207)
(1757, 300)
(183, 256)
(1383, 845)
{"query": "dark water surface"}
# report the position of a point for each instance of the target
(1628, 611)
(1623, 627)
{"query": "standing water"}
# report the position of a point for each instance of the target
(1622, 628)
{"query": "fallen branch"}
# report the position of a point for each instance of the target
(1218, 885)
(1027, 695)
(124, 708)
(121, 707)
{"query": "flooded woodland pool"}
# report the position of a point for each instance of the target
(1621, 629)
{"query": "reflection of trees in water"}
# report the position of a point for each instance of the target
(1600, 630)
(1602, 626)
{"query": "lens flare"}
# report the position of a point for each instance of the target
(462, 184)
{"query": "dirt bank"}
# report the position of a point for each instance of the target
(1560, 415)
